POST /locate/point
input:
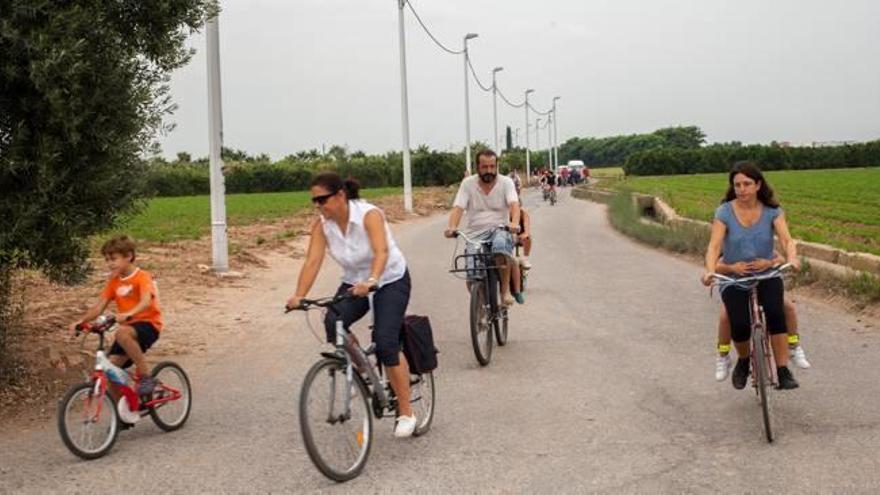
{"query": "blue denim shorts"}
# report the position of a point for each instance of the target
(499, 242)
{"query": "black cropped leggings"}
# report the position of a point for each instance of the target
(389, 308)
(770, 296)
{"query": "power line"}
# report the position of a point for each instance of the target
(548, 112)
(519, 105)
(428, 31)
(484, 88)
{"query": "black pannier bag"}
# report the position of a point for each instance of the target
(418, 344)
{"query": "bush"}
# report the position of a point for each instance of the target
(719, 157)
(429, 168)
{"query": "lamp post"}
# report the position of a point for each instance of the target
(404, 114)
(495, 107)
(538, 135)
(528, 162)
(467, 106)
(555, 133)
(219, 245)
(550, 143)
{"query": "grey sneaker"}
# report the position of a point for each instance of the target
(146, 386)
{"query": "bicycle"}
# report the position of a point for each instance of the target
(763, 365)
(354, 392)
(99, 419)
(487, 316)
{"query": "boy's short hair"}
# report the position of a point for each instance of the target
(122, 244)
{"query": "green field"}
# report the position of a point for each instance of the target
(189, 217)
(839, 207)
(607, 172)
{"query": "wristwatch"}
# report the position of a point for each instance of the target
(372, 281)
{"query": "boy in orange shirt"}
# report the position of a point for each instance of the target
(137, 309)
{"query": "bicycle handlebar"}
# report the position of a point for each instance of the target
(774, 272)
(322, 302)
(102, 323)
(457, 233)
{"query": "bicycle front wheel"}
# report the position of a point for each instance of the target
(171, 380)
(761, 367)
(481, 327)
(423, 397)
(87, 421)
(335, 419)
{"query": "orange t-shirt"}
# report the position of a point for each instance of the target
(126, 292)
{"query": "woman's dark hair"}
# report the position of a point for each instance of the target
(750, 170)
(333, 183)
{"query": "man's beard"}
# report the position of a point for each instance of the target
(487, 177)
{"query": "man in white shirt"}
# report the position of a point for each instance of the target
(490, 201)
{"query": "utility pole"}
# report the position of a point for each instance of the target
(467, 106)
(528, 162)
(404, 111)
(219, 243)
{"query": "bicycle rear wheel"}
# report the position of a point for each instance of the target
(423, 397)
(337, 433)
(481, 327)
(171, 378)
(762, 378)
(87, 422)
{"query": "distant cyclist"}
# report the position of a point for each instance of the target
(744, 226)
(490, 201)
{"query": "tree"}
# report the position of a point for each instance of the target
(184, 157)
(83, 89)
(682, 137)
(509, 139)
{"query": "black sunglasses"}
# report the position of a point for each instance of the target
(322, 200)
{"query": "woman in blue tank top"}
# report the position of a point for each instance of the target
(744, 227)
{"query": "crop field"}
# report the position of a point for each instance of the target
(189, 217)
(839, 207)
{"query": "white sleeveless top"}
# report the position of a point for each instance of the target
(352, 250)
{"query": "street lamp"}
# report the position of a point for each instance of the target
(528, 163)
(550, 143)
(555, 133)
(538, 134)
(404, 114)
(495, 106)
(467, 105)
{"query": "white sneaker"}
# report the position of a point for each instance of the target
(524, 262)
(405, 426)
(722, 367)
(798, 357)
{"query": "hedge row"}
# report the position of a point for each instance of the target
(719, 157)
(429, 168)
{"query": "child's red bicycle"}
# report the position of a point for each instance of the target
(89, 418)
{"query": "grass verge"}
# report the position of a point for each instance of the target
(625, 217)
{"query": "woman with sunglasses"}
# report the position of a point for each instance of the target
(358, 238)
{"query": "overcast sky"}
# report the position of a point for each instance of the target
(299, 73)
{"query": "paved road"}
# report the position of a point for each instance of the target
(606, 385)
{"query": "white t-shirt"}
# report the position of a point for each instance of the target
(353, 251)
(486, 211)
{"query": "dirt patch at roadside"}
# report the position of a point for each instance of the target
(45, 360)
